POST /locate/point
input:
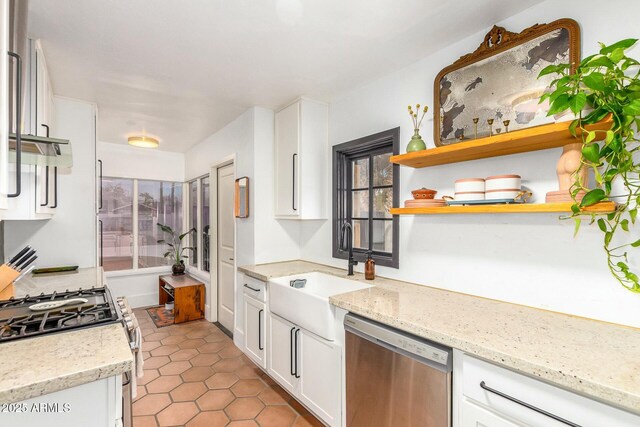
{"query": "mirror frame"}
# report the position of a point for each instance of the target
(237, 201)
(499, 40)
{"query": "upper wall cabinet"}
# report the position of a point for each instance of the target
(39, 108)
(38, 197)
(301, 147)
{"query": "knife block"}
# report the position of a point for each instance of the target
(7, 276)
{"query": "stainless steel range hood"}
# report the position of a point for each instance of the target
(42, 151)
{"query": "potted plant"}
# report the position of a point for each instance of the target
(176, 250)
(608, 83)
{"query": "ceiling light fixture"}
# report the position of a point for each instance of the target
(143, 141)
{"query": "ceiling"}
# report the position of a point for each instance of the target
(181, 70)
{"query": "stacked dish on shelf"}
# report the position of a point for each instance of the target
(501, 187)
(469, 189)
(424, 198)
(494, 189)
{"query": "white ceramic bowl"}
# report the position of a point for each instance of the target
(469, 185)
(469, 196)
(502, 194)
(501, 182)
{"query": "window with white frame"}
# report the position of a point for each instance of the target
(198, 218)
(130, 213)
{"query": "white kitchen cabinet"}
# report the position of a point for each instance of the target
(320, 375)
(479, 394)
(476, 416)
(38, 198)
(96, 404)
(301, 152)
(255, 330)
(280, 354)
(4, 106)
(308, 367)
(39, 108)
(27, 205)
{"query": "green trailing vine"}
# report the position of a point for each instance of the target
(608, 83)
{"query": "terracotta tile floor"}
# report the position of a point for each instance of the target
(195, 377)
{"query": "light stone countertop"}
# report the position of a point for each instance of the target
(35, 366)
(84, 278)
(596, 359)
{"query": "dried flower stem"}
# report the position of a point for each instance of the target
(414, 115)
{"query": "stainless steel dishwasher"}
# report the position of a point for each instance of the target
(395, 379)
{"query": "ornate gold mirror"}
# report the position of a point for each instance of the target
(241, 208)
(496, 88)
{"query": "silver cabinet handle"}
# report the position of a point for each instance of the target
(526, 405)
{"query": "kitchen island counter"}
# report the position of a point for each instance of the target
(590, 357)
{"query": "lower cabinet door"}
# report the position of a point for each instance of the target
(320, 371)
(280, 355)
(255, 329)
(476, 416)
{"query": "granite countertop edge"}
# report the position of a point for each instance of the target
(608, 394)
(51, 385)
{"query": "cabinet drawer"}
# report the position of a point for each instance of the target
(254, 288)
(555, 401)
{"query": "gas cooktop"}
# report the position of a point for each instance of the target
(17, 320)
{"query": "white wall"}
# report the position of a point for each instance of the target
(69, 238)
(126, 161)
(525, 259)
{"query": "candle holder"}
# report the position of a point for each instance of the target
(475, 127)
(490, 123)
(506, 125)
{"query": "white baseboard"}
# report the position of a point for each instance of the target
(142, 300)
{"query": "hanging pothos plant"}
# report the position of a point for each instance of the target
(608, 82)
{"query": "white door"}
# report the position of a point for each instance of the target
(254, 330)
(280, 350)
(319, 369)
(286, 158)
(226, 246)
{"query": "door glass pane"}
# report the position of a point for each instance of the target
(360, 204)
(205, 224)
(117, 224)
(158, 202)
(193, 222)
(360, 173)
(382, 202)
(382, 170)
(383, 236)
(360, 234)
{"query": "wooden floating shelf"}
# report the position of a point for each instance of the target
(602, 207)
(553, 135)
